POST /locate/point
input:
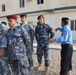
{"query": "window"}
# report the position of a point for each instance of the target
(22, 3)
(73, 24)
(3, 8)
(40, 1)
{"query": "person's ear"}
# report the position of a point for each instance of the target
(16, 21)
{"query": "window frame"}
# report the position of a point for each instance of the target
(73, 25)
(22, 3)
(3, 7)
(40, 2)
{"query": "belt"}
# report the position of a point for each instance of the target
(67, 45)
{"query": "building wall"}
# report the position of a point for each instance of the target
(13, 7)
(63, 3)
(52, 18)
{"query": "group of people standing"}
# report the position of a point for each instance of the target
(16, 45)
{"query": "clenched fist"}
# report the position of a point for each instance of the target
(56, 29)
(51, 40)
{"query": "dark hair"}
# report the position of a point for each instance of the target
(40, 16)
(23, 15)
(65, 20)
(4, 23)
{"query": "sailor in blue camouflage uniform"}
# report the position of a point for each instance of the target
(42, 33)
(29, 28)
(18, 40)
(4, 68)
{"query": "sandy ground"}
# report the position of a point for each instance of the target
(54, 60)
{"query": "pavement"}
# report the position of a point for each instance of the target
(56, 46)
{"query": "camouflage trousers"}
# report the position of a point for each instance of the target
(4, 68)
(32, 46)
(29, 56)
(19, 67)
(42, 50)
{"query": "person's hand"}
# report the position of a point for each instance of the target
(2, 52)
(52, 31)
(56, 29)
(51, 40)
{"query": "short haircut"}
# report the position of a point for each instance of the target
(65, 20)
(40, 16)
(23, 15)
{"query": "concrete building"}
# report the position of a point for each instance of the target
(53, 11)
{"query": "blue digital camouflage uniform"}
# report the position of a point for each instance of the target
(42, 34)
(18, 40)
(4, 68)
(28, 27)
